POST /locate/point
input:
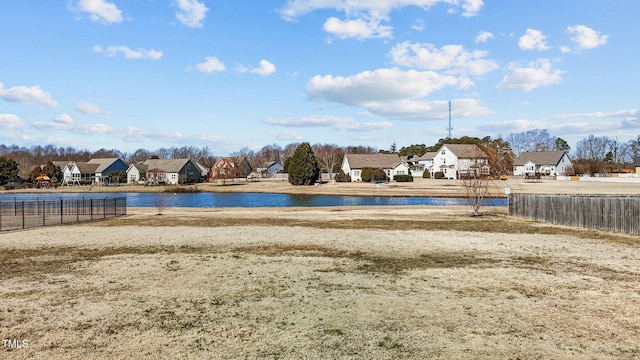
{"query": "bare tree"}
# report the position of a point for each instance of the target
(477, 188)
(329, 157)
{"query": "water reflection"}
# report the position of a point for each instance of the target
(218, 200)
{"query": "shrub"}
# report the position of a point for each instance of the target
(426, 175)
(403, 178)
(373, 174)
(438, 175)
(9, 187)
(342, 177)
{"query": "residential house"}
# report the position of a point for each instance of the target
(107, 166)
(95, 171)
(227, 168)
(638, 166)
(392, 164)
(81, 173)
(550, 163)
(456, 161)
(419, 164)
(168, 171)
(270, 168)
(137, 173)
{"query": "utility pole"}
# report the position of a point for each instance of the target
(449, 128)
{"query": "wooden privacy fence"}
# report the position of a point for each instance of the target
(616, 213)
(21, 214)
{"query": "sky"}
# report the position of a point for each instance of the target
(226, 75)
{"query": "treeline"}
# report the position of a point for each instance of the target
(592, 155)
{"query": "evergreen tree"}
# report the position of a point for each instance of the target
(8, 169)
(303, 167)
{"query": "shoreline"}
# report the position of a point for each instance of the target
(419, 188)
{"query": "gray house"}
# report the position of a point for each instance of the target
(550, 163)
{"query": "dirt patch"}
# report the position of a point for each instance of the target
(354, 283)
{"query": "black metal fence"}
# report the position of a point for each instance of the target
(22, 214)
(616, 213)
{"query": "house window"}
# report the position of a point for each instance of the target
(529, 168)
(356, 173)
(400, 172)
(442, 152)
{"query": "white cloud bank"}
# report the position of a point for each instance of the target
(128, 53)
(99, 11)
(394, 93)
(10, 122)
(335, 122)
(364, 18)
(90, 109)
(27, 95)
(452, 59)
(537, 74)
(191, 13)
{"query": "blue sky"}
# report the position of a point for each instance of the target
(231, 74)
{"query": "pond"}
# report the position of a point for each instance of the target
(220, 200)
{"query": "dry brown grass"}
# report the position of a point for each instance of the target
(319, 283)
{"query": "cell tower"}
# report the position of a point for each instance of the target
(449, 128)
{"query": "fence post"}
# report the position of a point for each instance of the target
(91, 207)
(23, 213)
(0, 216)
(61, 213)
(43, 214)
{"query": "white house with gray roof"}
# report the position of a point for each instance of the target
(352, 164)
(168, 171)
(456, 160)
(550, 163)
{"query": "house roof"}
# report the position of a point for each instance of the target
(539, 158)
(384, 161)
(166, 165)
(428, 156)
(466, 151)
(142, 168)
(103, 163)
(87, 168)
(62, 164)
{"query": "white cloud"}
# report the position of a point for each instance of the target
(64, 119)
(335, 122)
(364, 17)
(128, 53)
(537, 74)
(296, 8)
(585, 37)
(418, 25)
(454, 59)
(533, 40)
(625, 114)
(211, 65)
(266, 68)
(375, 86)
(27, 95)
(88, 108)
(483, 37)
(287, 135)
(429, 110)
(359, 29)
(10, 122)
(99, 11)
(191, 13)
